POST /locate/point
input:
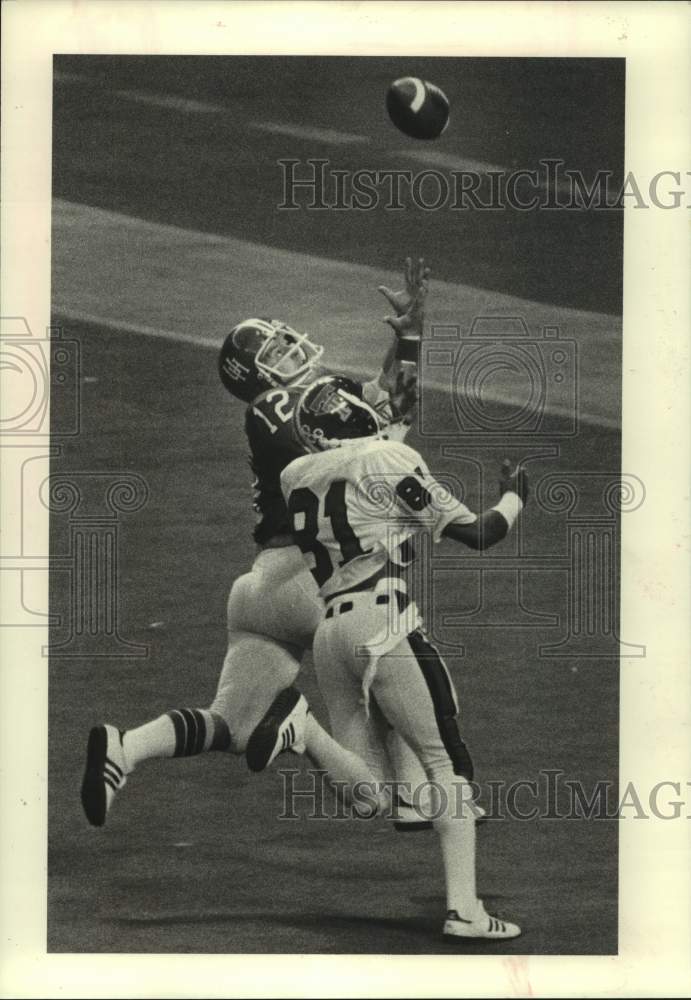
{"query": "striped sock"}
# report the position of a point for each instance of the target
(197, 730)
(182, 732)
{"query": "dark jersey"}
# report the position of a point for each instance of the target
(273, 445)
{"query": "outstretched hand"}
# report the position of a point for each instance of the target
(415, 276)
(410, 323)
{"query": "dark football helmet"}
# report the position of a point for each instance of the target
(260, 353)
(332, 410)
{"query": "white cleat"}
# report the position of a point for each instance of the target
(484, 926)
(281, 729)
(105, 773)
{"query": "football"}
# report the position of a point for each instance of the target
(418, 108)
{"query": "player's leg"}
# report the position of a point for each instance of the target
(185, 732)
(416, 694)
(255, 669)
(357, 723)
(272, 616)
(289, 725)
(273, 598)
(112, 754)
(355, 760)
(419, 702)
(411, 798)
(357, 751)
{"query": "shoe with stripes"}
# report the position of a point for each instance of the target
(105, 773)
(281, 729)
(484, 926)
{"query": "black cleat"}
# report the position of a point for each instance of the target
(105, 772)
(281, 729)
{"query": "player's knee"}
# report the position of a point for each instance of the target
(223, 727)
(233, 713)
(255, 669)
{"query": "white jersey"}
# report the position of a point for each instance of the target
(355, 508)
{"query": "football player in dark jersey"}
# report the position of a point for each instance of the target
(274, 609)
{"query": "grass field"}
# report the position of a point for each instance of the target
(165, 232)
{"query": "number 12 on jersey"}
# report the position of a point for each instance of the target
(305, 502)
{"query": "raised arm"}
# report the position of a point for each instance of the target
(396, 384)
(407, 331)
(408, 316)
(494, 524)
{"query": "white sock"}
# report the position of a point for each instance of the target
(456, 831)
(153, 739)
(457, 839)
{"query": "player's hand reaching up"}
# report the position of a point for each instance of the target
(415, 276)
(515, 481)
(410, 323)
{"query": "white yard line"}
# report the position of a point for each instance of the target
(90, 219)
(330, 136)
(207, 343)
(171, 102)
(175, 336)
(155, 280)
(429, 156)
(125, 326)
(432, 157)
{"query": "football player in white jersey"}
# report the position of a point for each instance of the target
(357, 499)
(274, 610)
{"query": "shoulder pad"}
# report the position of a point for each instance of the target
(400, 452)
